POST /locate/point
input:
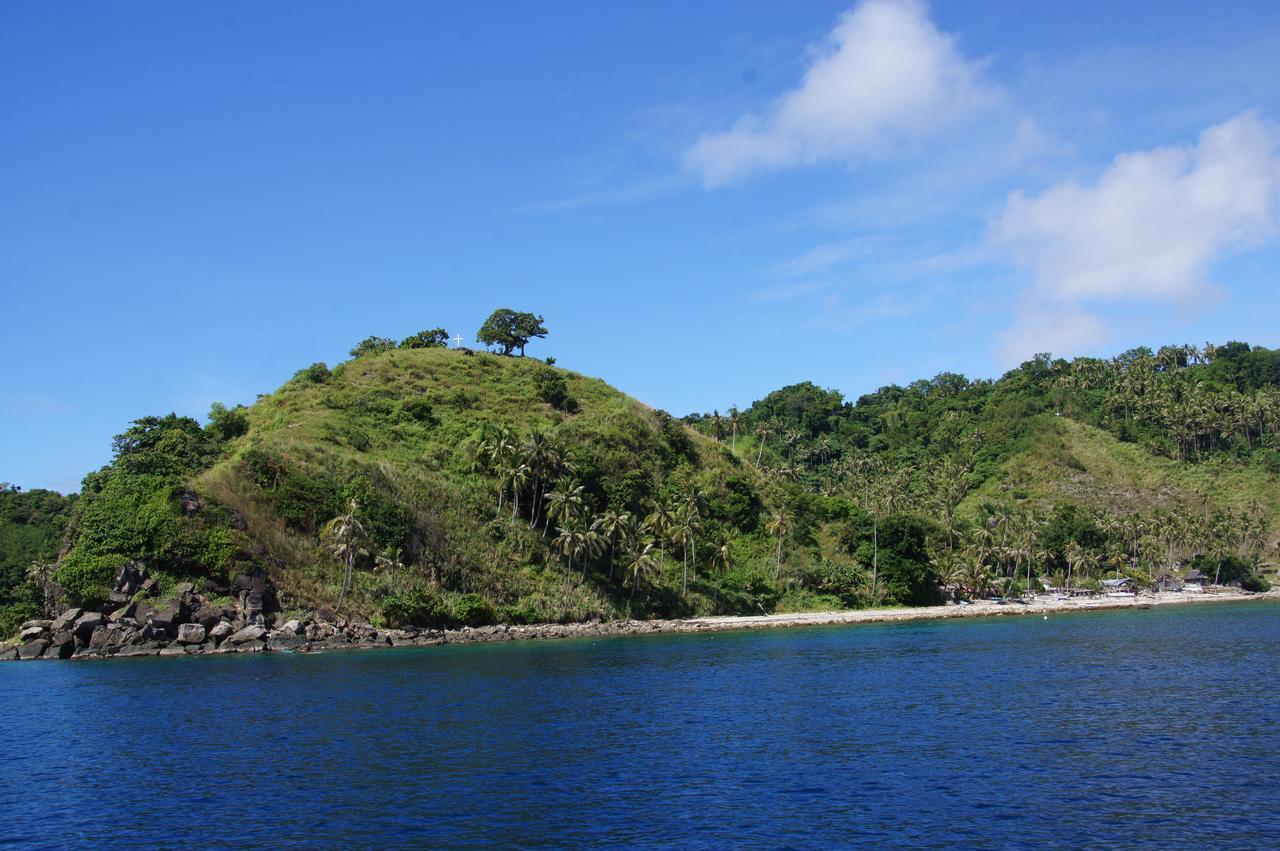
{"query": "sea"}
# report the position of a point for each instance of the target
(1139, 728)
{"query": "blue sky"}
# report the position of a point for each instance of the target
(706, 201)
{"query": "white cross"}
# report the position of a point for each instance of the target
(457, 341)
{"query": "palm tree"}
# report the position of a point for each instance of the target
(614, 527)
(686, 526)
(40, 573)
(779, 525)
(565, 504)
(660, 521)
(733, 424)
(639, 563)
(722, 556)
(346, 538)
(762, 432)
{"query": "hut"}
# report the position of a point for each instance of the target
(1168, 582)
(1194, 580)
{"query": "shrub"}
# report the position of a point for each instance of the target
(418, 409)
(317, 373)
(473, 610)
(416, 608)
(227, 423)
(372, 346)
(551, 387)
(88, 579)
(436, 338)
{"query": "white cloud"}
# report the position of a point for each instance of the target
(1155, 221)
(1147, 231)
(886, 75)
(1043, 329)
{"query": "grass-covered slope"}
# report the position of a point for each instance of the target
(399, 432)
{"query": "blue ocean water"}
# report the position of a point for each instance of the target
(1145, 728)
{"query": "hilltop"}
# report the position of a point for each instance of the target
(415, 484)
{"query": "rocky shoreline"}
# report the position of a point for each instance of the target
(190, 625)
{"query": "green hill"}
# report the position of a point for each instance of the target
(416, 484)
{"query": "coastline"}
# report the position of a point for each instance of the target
(320, 637)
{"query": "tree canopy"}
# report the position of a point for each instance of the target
(510, 330)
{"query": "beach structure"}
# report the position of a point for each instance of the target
(1118, 587)
(1168, 582)
(1194, 581)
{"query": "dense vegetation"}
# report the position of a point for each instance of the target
(417, 484)
(31, 529)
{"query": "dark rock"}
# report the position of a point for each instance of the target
(117, 599)
(32, 649)
(86, 624)
(121, 613)
(220, 631)
(174, 649)
(8, 654)
(137, 650)
(207, 616)
(189, 500)
(30, 633)
(130, 578)
(285, 641)
(244, 636)
(256, 597)
(43, 624)
(191, 633)
(65, 620)
(142, 612)
(62, 645)
(148, 588)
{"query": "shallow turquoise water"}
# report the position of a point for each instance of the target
(1157, 727)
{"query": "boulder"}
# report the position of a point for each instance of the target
(148, 588)
(121, 613)
(135, 650)
(130, 578)
(285, 641)
(191, 633)
(220, 631)
(207, 616)
(141, 612)
(32, 649)
(244, 636)
(62, 645)
(43, 624)
(86, 624)
(31, 633)
(65, 620)
(174, 649)
(8, 654)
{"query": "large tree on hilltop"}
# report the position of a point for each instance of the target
(511, 330)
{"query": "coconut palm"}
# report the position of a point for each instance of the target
(660, 522)
(565, 504)
(733, 425)
(779, 525)
(346, 538)
(639, 563)
(687, 522)
(613, 527)
(722, 556)
(40, 573)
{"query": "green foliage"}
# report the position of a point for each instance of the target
(227, 424)
(473, 610)
(31, 529)
(317, 373)
(436, 338)
(87, 577)
(553, 390)
(416, 608)
(510, 330)
(372, 346)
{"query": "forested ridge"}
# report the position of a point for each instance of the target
(415, 484)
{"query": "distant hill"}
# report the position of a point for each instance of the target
(427, 485)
